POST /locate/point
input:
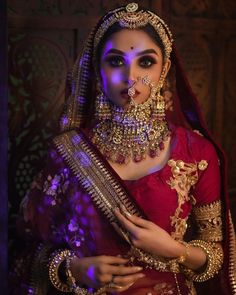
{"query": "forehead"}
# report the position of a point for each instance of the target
(126, 39)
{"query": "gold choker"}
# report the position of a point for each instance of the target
(131, 135)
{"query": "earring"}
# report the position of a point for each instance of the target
(159, 102)
(102, 107)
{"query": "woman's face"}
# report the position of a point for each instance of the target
(126, 56)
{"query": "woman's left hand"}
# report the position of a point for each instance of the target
(147, 235)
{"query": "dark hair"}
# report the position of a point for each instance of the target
(117, 28)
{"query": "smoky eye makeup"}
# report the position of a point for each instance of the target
(147, 61)
(114, 60)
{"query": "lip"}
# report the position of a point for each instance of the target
(124, 93)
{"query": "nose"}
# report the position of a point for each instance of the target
(130, 74)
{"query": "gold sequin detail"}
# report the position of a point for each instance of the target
(202, 165)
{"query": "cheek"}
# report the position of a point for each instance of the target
(115, 78)
(110, 79)
(155, 74)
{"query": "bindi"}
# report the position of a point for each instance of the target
(131, 47)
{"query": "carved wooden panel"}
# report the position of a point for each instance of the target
(204, 8)
(229, 107)
(197, 61)
(38, 63)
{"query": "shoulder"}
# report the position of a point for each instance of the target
(194, 143)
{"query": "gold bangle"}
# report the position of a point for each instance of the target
(182, 258)
(57, 258)
(214, 262)
(75, 288)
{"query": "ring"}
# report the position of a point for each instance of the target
(112, 284)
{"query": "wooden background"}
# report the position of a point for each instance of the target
(45, 37)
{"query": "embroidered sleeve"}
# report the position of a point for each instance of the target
(209, 221)
(207, 208)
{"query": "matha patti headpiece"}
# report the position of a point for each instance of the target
(131, 18)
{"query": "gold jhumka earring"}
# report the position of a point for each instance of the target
(102, 107)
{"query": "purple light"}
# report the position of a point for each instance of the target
(73, 226)
(76, 139)
(64, 120)
(91, 273)
(116, 78)
(83, 157)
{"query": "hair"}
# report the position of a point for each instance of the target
(115, 28)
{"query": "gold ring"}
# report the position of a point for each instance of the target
(114, 286)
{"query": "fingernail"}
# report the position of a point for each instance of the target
(138, 268)
(142, 275)
(127, 213)
(124, 210)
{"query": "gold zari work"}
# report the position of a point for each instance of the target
(185, 176)
(209, 222)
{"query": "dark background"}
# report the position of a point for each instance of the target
(45, 37)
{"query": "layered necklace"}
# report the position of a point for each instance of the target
(134, 133)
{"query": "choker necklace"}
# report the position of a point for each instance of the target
(134, 133)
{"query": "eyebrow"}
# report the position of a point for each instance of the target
(117, 51)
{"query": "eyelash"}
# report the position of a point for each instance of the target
(147, 59)
(119, 61)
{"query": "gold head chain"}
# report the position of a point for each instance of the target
(131, 18)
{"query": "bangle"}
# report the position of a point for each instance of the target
(56, 261)
(214, 262)
(182, 258)
(74, 287)
(174, 264)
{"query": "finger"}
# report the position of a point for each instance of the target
(112, 259)
(126, 280)
(122, 270)
(117, 289)
(135, 219)
(127, 224)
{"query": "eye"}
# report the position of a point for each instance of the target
(147, 61)
(115, 61)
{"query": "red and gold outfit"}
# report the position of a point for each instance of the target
(63, 216)
(186, 197)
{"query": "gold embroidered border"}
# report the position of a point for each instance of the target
(209, 222)
(106, 192)
(232, 256)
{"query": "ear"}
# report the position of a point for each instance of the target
(166, 67)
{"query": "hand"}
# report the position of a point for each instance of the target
(98, 271)
(147, 235)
